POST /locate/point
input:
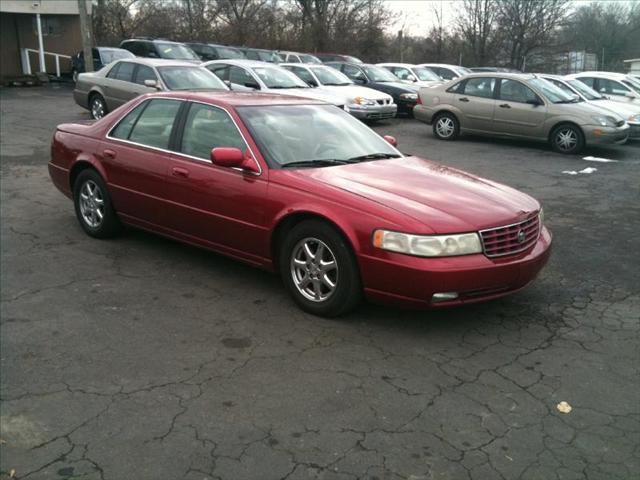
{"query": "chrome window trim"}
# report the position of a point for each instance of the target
(113, 127)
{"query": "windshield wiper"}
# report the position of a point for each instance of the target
(573, 100)
(327, 162)
(373, 156)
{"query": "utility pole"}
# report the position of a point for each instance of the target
(602, 62)
(85, 31)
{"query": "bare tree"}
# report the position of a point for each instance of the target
(476, 25)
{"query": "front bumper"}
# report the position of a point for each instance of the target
(373, 112)
(597, 134)
(406, 106)
(408, 281)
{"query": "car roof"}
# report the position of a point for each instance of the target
(237, 99)
(393, 64)
(241, 62)
(163, 40)
(602, 74)
(158, 62)
(515, 76)
(445, 65)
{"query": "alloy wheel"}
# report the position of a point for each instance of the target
(97, 108)
(91, 204)
(314, 269)
(566, 139)
(445, 127)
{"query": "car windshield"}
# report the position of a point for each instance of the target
(310, 59)
(425, 74)
(176, 51)
(462, 70)
(587, 92)
(274, 77)
(351, 59)
(377, 74)
(190, 78)
(267, 56)
(312, 135)
(225, 52)
(330, 76)
(110, 55)
(550, 91)
(633, 85)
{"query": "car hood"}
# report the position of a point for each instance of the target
(407, 87)
(312, 93)
(624, 110)
(580, 109)
(353, 91)
(444, 199)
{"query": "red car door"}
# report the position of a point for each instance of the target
(136, 159)
(212, 205)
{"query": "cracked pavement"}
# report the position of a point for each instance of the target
(142, 358)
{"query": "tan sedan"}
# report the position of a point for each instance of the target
(520, 106)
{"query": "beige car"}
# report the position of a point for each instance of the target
(519, 106)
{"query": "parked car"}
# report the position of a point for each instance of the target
(305, 189)
(630, 112)
(617, 86)
(420, 76)
(445, 71)
(101, 56)
(251, 75)
(494, 69)
(362, 102)
(261, 55)
(105, 90)
(295, 57)
(404, 95)
(519, 106)
(211, 51)
(336, 57)
(159, 48)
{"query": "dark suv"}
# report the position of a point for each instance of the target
(158, 48)
(210, 51)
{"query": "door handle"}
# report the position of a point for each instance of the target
(109, 153)
(464, 99)
(505, 105)
(179, 172)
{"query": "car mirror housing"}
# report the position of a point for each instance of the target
(391, 140)
(535, 102)
(360, 80)
(151, 83)
(231, 157)
(253, 85)
(411, 78)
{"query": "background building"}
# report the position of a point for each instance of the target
(38, 35)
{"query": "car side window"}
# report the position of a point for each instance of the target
(153, 127)
(145, 73)
(353, 72)
(125, 72)
(219, 70)
(293, 59)
(447, 74)
(123, 129)
(401, 73)
(135, 48)
(514, 91)
(114, 71)
(252, 55)
(588, 81)
(206, 128)
(240, 76)
(480, 87)
(304, 74)
(611, 87)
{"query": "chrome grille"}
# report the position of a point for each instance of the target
(511, 239)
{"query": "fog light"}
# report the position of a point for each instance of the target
(444, 297)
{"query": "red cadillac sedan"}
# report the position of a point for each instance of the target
(304, 189)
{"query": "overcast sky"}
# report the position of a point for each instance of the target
(418, 15)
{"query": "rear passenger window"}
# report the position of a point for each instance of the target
(153, 128)
(114, 71)
(125, 71)
(480, 87)
(123, 130)
(206, 128)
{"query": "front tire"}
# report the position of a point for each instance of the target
(446, 126)
(567, 139)
(93, 205)
(97, 106)
(320, 270)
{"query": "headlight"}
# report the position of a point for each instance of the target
(605, 121)
(541, 216)
(364, 101)
(409, 96)
(634, 118)
(428, 246)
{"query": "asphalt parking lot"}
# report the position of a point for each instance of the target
(141, 358)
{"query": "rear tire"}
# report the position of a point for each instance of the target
(93, 205)
(446, 126)
(97, 106)
(319, 269)
(567, 139)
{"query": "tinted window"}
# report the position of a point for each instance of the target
(114, 71)
(125, 71)
(304, 74)
(123, 130)
(514, 91)
(480, 87)
(588, 81)
(240, 76)
(353, 73)
(137, 48)
(154, 126)
(446, 73)
(611, 87)
(145, 73)
(224, 52)
(220, 70)
(206, 128)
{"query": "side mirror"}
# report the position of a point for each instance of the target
(391, 140)
(411, 78)
(312, 83)
(360, 80)
(231, 157)
(535, 102)
(629, 95)
(151, 83)
(253, 85)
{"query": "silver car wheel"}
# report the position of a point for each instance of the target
(566, 139)
(445, 127)
(97, 108)
(314, 269)
(91, 204)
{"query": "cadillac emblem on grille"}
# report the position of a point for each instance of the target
(522, 236)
